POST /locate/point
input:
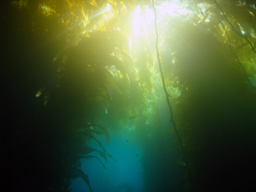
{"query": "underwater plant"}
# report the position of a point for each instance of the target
(210, 116)
(93, 68)
(82, 85)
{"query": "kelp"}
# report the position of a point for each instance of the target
(214, 105)
(81, 82)
(75, 173)
(208, 113)
(84, 79)
(170, 107)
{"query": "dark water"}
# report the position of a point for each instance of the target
(217, 106)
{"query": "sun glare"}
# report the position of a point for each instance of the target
(107, 9)
(130, 42)
(136, 20)
(143, 17)
(149, 15)
(141, 20)
(170, 8)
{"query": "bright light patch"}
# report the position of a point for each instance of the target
(130, 42)
(168, 8)
(108, 7)
(136, 20)
(241, 29)
(207, 19)
(141, 21)
(143, 17)
(253, 34)
(182, 11)
(149, 15)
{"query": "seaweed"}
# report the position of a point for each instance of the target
(170, 108)
(79, 66)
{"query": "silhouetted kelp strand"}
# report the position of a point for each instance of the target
(77, 158)
(242, 45)
(168, 102)
(74, 173)
(132, 117)
(238, 46)
(234, 28)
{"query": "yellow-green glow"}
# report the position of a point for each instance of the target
(46, 9)
(130, 42)
(107, 9)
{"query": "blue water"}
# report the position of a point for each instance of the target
(127, 168)
(141, 166)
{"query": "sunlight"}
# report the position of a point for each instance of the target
(149, 15)
(170, 8)
(241, 29)
(143, 17)
(107, 9)
(46, 9)
(142, 20)
(136, 20)
(130, 42)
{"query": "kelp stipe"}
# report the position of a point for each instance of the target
(230, 45)
(170, 108)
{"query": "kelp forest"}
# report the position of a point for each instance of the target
(128, 95)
